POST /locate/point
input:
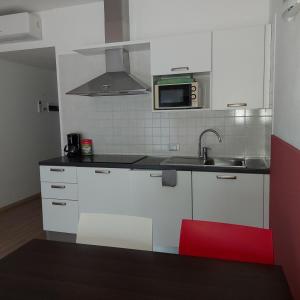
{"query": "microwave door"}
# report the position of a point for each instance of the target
(175, 96)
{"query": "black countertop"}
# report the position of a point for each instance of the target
(254, 166)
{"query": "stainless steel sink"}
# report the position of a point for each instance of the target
(226, 162)
(211, 162)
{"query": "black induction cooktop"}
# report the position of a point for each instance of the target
(112, 158)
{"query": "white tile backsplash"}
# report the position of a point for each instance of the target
(128, 125)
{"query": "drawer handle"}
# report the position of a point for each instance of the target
(59, 203)
(227, 177)
(58, 186)
(236, 104)
(155, 176)
(106, 172)
(57, 170)
(180, 69)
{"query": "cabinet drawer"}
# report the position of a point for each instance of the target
(58, 174)
(60, 190)
(60, 215)
(104, 190)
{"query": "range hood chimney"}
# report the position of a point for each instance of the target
(117, 80)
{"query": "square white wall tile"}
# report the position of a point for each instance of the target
(128, 125)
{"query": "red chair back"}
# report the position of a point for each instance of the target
(226, 241)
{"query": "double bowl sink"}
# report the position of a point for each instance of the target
(210, 162)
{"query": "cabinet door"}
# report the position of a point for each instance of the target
(181, 54)
(104, 190)
(228, 198)
(166, 206)
(238, 68)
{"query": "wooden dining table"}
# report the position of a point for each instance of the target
(43, 270)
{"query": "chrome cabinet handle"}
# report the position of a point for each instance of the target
(155, 176)
(57, 170)
(106, 172)
(59, 203)
(237, 105)
(58, 186)
(227, 177)
(180, 69)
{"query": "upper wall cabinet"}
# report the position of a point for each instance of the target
(238, 68)
(181, 54)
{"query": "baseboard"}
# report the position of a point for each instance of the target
(61, 237)
(20, 202)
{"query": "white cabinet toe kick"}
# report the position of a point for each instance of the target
(221, 197)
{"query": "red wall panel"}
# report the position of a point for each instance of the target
(285, 209)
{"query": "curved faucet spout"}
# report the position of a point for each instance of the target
(203, 151)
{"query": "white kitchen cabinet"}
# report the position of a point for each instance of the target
(220, 197)
(166, 206)
(60, 215)
(59, 198)
(138, 193)
(238, 68)
(229, 198)
(190, 53)
(102, 190)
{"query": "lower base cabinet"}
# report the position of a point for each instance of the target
(229, 198)
(211, 196)
(167, 206)
(59, 199)
(138, 193)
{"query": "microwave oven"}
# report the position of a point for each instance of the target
(177, 96)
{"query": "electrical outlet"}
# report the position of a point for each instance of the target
(174, 147)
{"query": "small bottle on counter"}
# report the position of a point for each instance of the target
(86, 147)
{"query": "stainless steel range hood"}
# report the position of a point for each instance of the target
(117, 80)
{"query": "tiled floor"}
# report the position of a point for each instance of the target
(19, 225)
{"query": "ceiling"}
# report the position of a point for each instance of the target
(14, 6)
(41, 58)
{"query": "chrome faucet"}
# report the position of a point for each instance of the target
(203, 151)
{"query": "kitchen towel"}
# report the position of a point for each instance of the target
(169, 178)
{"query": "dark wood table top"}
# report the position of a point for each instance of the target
(43, 270)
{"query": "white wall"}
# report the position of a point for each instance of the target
(67, 28)
(26, 136)
(127, 124)
(72, 27)
(159, 18)
(287, 77)
(77, 26)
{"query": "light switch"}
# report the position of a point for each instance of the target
(39, 106)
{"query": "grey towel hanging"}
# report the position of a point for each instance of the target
(169, 178)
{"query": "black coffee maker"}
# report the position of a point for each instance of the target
(72, 149)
